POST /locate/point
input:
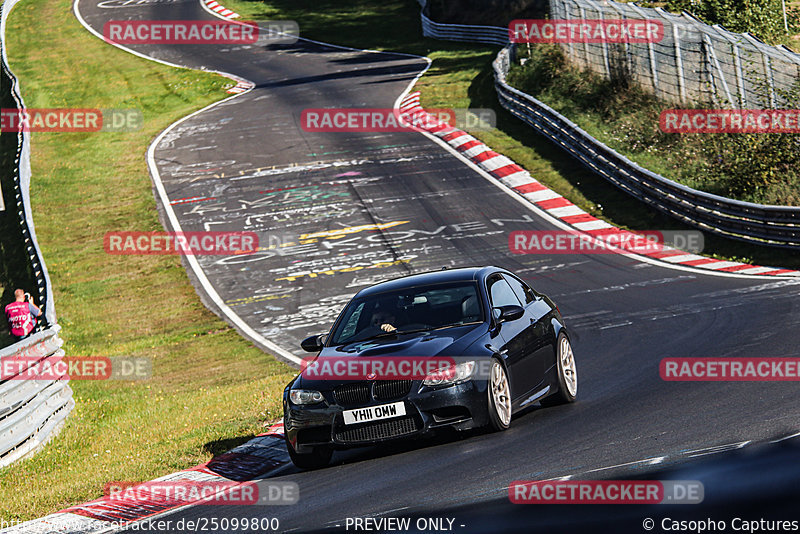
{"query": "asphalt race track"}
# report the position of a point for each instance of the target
(364, 207)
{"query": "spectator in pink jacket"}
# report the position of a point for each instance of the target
(22, 314)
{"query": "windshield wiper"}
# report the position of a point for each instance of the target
(376, 336)
(457, 324)
(415, 331)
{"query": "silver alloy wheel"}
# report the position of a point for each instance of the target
(568, 369)
(500, 393)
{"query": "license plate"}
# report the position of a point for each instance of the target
(374, 413)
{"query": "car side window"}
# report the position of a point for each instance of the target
(351, 323)
(501, 293)
(524, 293)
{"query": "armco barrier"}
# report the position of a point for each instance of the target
(777, 226)
(461, 32)
(31, 411)
(745, 221)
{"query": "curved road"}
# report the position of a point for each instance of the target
(352, 209)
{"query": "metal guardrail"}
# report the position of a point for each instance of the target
(746, 221)
(462, 32)
(777, 226)
(31, 411)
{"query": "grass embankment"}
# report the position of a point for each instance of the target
(211, 389)
(461, 76)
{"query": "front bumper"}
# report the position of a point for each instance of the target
(460, 407)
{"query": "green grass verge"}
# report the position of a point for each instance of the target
(211, 389)
(461, 76)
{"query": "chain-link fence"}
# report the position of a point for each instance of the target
(693, 62)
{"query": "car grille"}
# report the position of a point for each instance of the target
(379, 430)
(359, 393)
(392, 389)
(352, 394)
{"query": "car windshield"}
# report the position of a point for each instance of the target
(408, 310)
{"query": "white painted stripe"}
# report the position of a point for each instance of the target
(756, 270)
(496, 162)
(445, 131)
(683, 258)
(517, 179)
(218, 9)
(566, 211)
(544, 194)
(721, 265)
(592, 225)
(415, 115)
(460, 140)
(234, 16)
(474, 151)
(227, 12)
(649, 461)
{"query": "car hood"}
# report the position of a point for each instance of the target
(452, 342)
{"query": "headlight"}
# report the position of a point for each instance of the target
(451, 375)
(305, 396)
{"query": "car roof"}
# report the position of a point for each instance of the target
(464, 274)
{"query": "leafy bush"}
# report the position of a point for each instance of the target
(762, 18)
(753, 167)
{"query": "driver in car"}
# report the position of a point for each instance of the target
(383, 319)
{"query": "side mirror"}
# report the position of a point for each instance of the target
(313, 343)
(512, 312)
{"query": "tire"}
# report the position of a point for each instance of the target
(499, 397)
(319, 457)
(567, 374)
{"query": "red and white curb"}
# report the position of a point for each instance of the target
(518, 179)
(242, 85)
(214, 6)
(257, 458)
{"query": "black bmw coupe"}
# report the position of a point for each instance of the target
(459, 348)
